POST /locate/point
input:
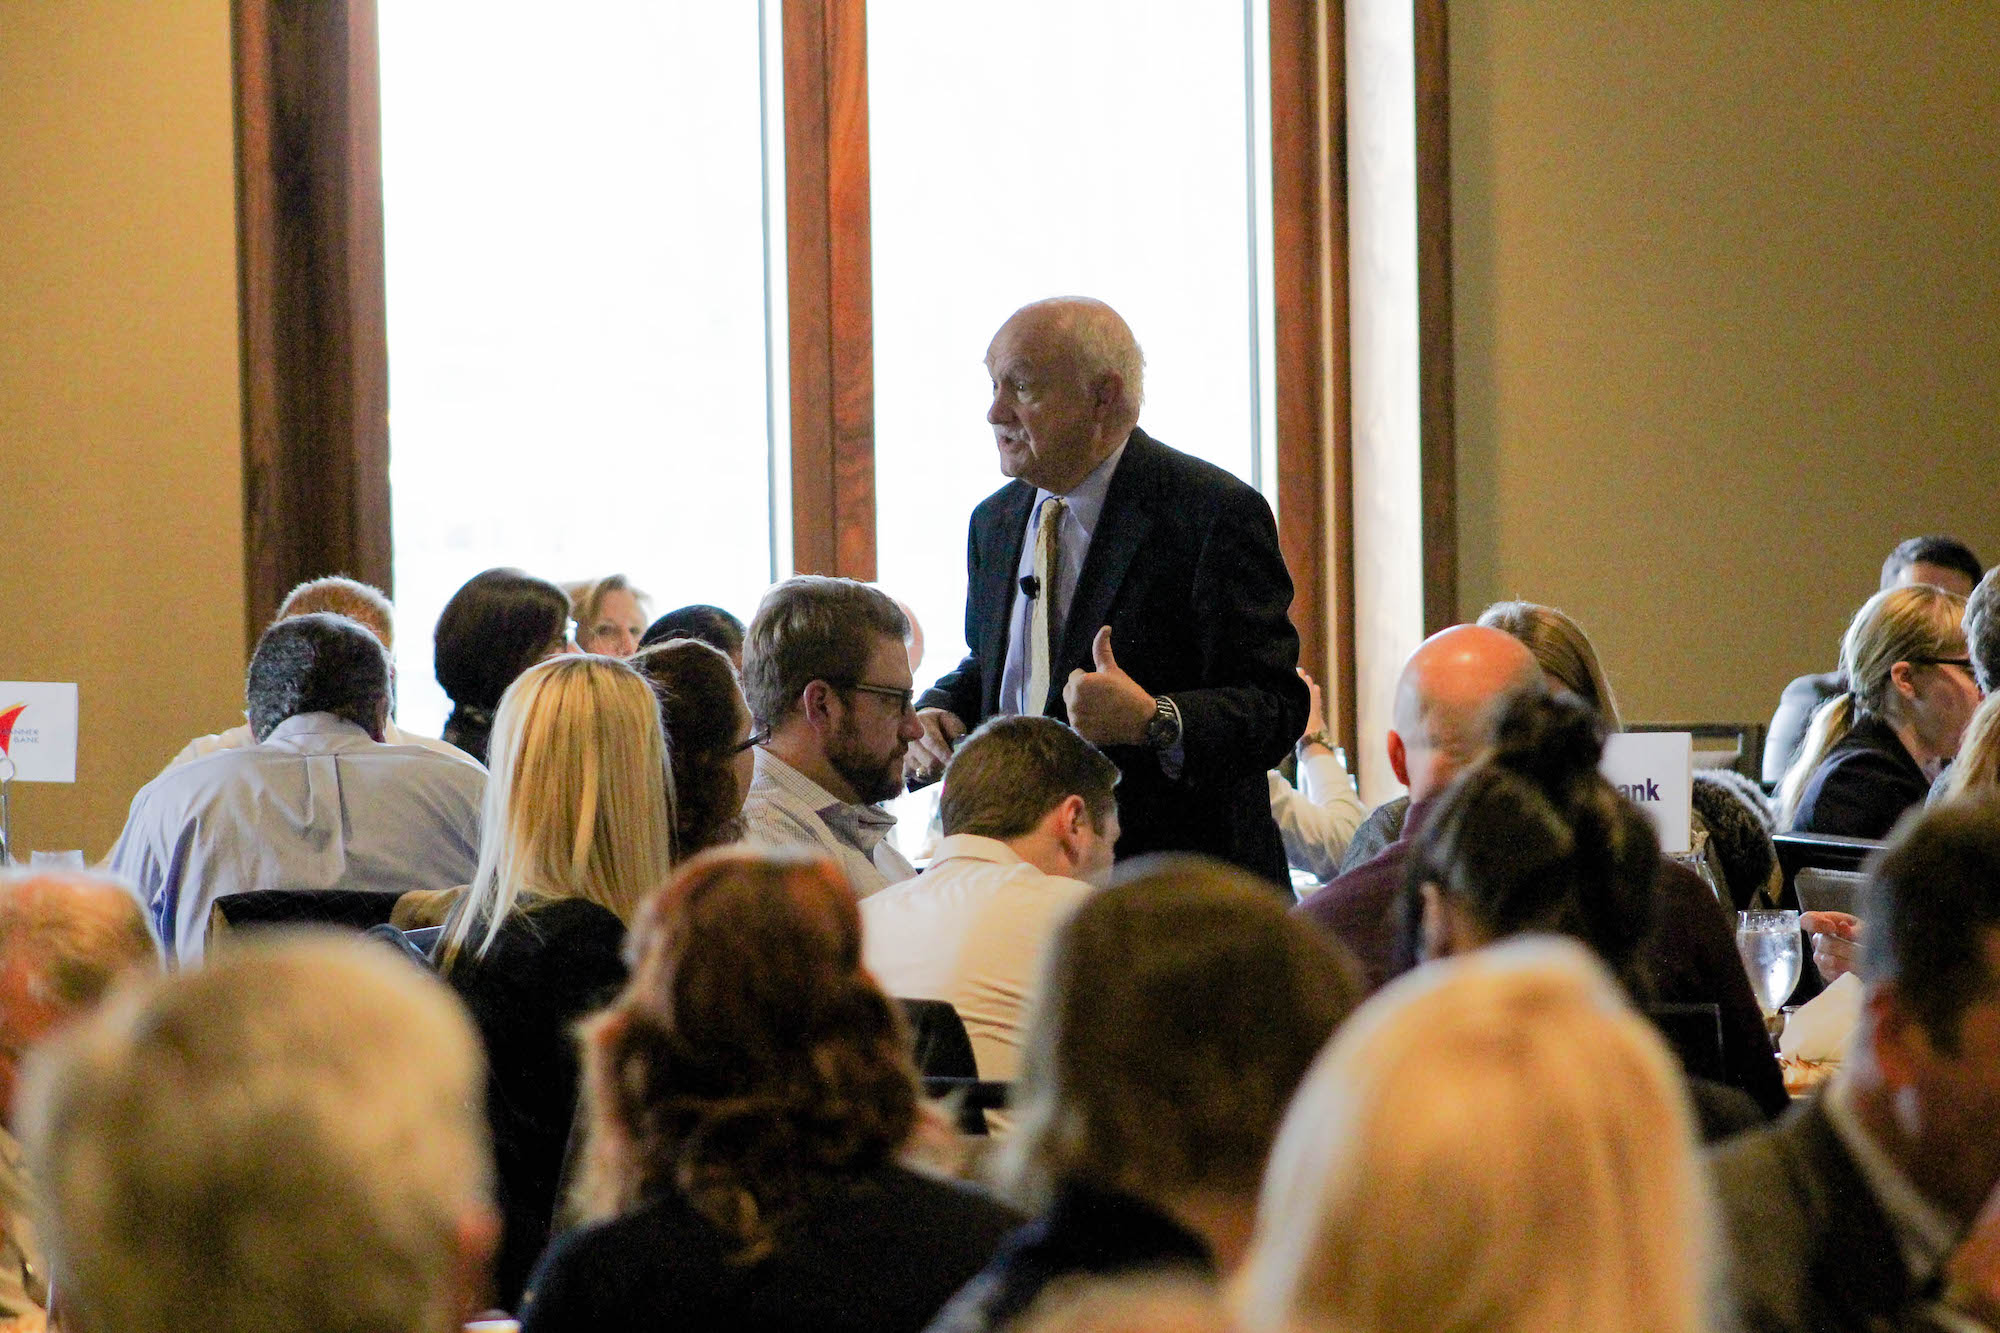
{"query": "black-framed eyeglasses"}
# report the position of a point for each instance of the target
(1963, 662)
(752, 741)
(904, 695)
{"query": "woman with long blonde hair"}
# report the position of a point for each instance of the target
(1873, 750)
(1497, 1142)
(577, 830)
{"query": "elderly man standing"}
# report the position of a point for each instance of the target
(1128, 589)
(320, 802)
(65, 937)
(827, 678)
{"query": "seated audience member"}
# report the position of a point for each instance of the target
(1029, 819)
(65, 937)
(749, 1093)
(287, 1141)
(1939, 562)
(1532, 838)
(495, 627)
(1177, 1012)
(1495, 1143)
(579, 826)
(711, 624)
(610, 615)
(1316, 821)
(320, 802)
(1731, 818)
(1445, 704)
(342, 597)
(1874, 749)
(827, 674)
(709, 740)
(1440, 724)
(1880, 1194)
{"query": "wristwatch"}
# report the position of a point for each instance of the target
(1163, 731)
(1316, 738)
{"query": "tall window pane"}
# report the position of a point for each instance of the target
(580, 357)
(1030, 148)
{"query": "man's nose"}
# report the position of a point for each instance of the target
(1001, 412)
(911, 727)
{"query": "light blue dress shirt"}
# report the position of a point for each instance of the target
(318, 805)
(1085, 506)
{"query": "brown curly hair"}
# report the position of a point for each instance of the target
(750, 1058)
(701, 706)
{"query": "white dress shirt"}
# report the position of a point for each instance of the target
(242, 738)
(1317, 822)
(318, 805)
(971, 930)
(789, 811)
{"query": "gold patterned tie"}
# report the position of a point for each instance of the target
(1042, 627)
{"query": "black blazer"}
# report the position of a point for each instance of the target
(1184, 566)
(1808, 1248)
(1863, 786)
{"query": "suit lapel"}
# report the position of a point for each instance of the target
(1121, 531)
(997, 583)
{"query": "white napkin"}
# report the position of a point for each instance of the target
(1820, 1028)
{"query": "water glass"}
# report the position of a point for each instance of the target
(1773, 952)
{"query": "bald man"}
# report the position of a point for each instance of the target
(1127, 589)
(1445, 700)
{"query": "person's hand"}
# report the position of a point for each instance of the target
(924, 761)
(1836, 938)
(1106, 706)
(1972, 1271)
(1315, 707)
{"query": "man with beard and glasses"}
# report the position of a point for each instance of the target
(827, 677)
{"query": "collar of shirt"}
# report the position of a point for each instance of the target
(975, 847)
(331, 730)
(1924, 1233)
(1086, 498)
(860, 825)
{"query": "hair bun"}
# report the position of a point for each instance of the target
(1553, 740)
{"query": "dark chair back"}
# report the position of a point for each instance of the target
(1737, 745)
(1829, 890)
(1694, 1031)
(1822, 851)
(357, 909)
(943, 1054)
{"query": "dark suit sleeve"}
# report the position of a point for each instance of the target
(1242, 598)
(960, 690)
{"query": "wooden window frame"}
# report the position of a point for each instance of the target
(315, 342)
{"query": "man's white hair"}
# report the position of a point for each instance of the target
(290, 1139)
(1100, 343)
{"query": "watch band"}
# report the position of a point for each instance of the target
(1317, 738)
(1163, 732)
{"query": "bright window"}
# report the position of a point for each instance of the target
(585, 322)
(1029, 148)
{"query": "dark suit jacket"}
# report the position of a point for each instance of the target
(1808, 1248)
(1863, 786)
(1185, 568)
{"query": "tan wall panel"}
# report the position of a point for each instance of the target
(121, 562)
(1727, 294)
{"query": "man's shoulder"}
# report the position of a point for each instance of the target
(1183, 474)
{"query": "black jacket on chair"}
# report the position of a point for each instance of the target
(1184, 567)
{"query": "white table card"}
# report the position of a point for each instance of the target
(1655, 770)
(37, 731)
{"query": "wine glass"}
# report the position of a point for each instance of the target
(1773, 952)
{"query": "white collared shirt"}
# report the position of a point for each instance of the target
(788, 810)
(242, 738)
(970, 930)
(319, 805)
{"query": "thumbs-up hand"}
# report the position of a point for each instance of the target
(1106, 706)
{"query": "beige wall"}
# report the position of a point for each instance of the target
(1727, 290)
(120, 477)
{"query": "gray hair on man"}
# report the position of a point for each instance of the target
(1100, 343)
(292, 1138)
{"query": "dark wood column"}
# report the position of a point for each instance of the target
(314, 331)
(831, 284)
(1434, 328)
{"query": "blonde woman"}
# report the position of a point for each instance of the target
(577, 830)
(1873, 751)
(1567, 659)
(1497, 1142)
(610, 615)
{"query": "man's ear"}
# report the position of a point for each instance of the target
(1896, 1040)
(817, 702)
(475, 1243)
(1399, 759)
(1066, 823)
(380, 730)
